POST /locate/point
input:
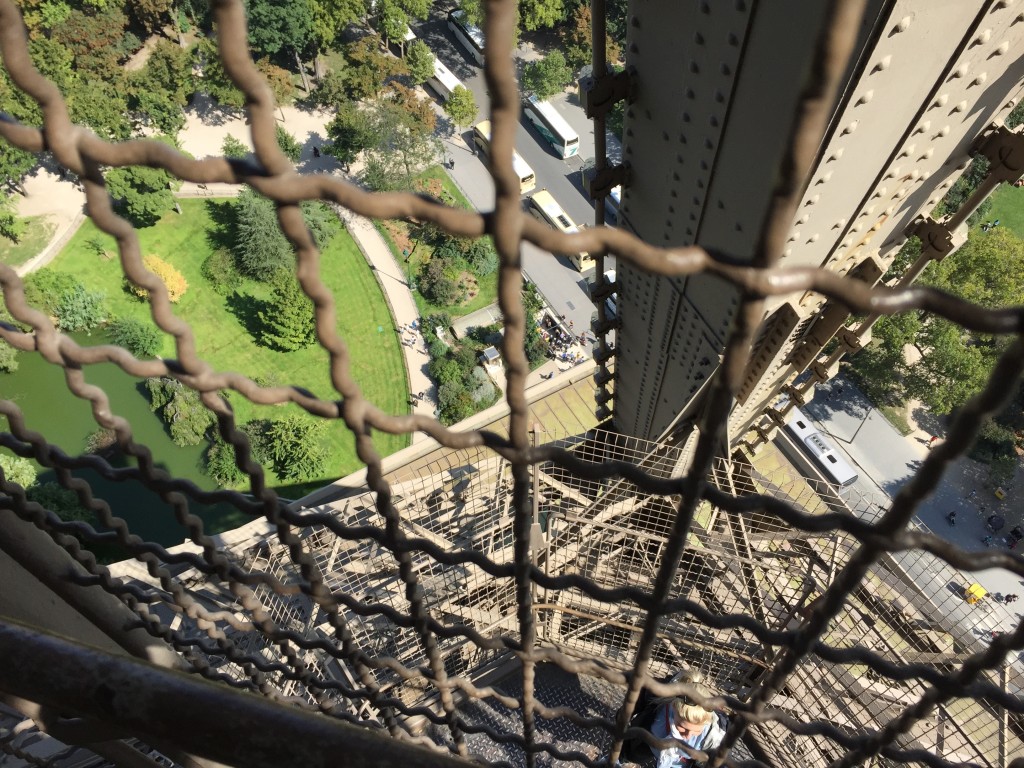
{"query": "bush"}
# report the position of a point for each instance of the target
(45, 287)
(62, 501)
(482, 258)
(295, 447)
(220, 271)
(481, 388)
(437, 284)
(8, 357)
(322, 221)
(287, 143)
(455, 402)
(172, 279)
(81, 310)
(187, 418)
(141, 339)
(18, 470)
(234, 149)
(219, 463)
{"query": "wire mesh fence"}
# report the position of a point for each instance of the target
(507, 598)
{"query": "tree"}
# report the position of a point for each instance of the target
(420, 61)
(576, 40)
(278, 25)
(954, 363)
(101, 106)
(287, 317)
(351, 131)
(220, 464)
(402, 148)
(233, 148)
(369, 68)
(45, 287)
(172, 279)
(535, 14)
(438, 279)
(94, 36)
(151, 15)
(392, 20)
(14, 166)
(11, 225)
(295, 445)
(141, 339)
(160, 91)
(481, 257)
(322, 221)
(287, 143)
(548, 76)
(418, 109)
(215, 81)
(260, 247)
(330, 17)
(278, 80)
(220, 272)
(455, 402)
(461, 106)
(17, 470)
(179, 406)
(145, 193)
(331, 91)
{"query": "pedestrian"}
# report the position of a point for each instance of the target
(932, 439)
(451, 163)
(973, 493)
(1011, 598)
(420, 395)
(316, 151)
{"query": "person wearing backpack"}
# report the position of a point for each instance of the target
(677, 718)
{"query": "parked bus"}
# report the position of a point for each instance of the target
(545, 208)
(469, 36)
(552, 126)
(443, 82)
(814, 444)
(482, 138)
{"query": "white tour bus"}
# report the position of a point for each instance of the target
(552, 126)
(471, 37)
(443, 82)
(544, 207)
(815, 445)
(482, 138)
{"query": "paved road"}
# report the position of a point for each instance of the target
(562, 285)
(886, 460)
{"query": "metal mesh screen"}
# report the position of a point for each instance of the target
(507, 596)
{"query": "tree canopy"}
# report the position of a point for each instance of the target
(548, 76)
(279, 25)
(461, 106)
(144, 192)
(420, 61)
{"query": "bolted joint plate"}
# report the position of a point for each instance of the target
(1004, 149)
(599, 184)
(600, 94)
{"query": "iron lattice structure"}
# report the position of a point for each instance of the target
(443, 607)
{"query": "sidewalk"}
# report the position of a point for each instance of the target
(888, 460)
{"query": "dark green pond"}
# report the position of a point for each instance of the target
(40, 391)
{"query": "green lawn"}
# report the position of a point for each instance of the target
(1008, 207)
(435, 181)
(38, 231)
(223, 325)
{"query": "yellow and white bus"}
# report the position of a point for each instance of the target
(545, 208)
(482, 138)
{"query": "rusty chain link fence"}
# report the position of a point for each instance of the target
(506, 598)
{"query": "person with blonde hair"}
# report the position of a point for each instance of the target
(683, 719)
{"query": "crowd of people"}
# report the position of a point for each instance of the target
(561, 340)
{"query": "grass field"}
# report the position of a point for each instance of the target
(399, 236)
(38, 231)
(1008, 207)
(223, 326)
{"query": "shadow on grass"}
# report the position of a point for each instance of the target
(246, 309)
(225, 222)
